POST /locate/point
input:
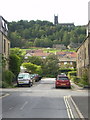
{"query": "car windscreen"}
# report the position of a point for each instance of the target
(23, 76)
(62, 78)
(31, 75)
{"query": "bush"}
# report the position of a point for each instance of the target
(5, 85)
(65, 70)
(84, 79)
(75, 79)
(39, 70)
(14, 64)
(80, 81)
(7, 78)
(50, 76)
(72, 74)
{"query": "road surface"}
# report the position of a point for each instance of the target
(42, 100)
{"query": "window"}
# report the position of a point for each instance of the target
(62, 78)
(8, 47)
(65, 63)
(71, 63)
(2, 23)
(6, 27)
(4, 46)
(85, 53)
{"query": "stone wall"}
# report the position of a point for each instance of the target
(83, 58)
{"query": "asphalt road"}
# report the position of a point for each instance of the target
(42, 100)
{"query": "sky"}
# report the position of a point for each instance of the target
(68, 11)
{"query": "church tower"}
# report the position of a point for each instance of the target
(55, 19)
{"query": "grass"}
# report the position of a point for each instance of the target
(51, 50)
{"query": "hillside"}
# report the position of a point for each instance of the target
(26, 34)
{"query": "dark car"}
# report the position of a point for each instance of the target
(36, 77)
(62, 81)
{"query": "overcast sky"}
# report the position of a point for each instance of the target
(68, 10)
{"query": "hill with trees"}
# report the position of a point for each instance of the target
(25, 34)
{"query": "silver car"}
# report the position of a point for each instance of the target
(24, 79)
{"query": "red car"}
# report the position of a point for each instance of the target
(62, 81)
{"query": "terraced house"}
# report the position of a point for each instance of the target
(4, 42)
(83, 56)
(67, 59)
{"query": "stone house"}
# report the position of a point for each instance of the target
(83, 56)
(38, 53)
(67, 59)
(4, 42)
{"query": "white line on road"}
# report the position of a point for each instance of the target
(71, 114)
(69, 111)
(66, 106)
(11, 108)
(77, 109)
(23, 105)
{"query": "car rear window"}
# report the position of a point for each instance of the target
(23, 76)
(62, 78)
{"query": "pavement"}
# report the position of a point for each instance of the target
(82, 102)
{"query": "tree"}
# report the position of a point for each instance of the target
(81, 38)
(7, 78)
(43, 42)
(16, 40)
(51, 66)
(22, 32)
(66, 39)
(18, 52)
(32, 68)
(35, 60)
(14, 64)
(29, 44)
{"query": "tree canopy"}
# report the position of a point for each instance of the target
(50, 66)
(25, 34)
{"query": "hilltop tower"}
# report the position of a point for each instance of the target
(55, 19)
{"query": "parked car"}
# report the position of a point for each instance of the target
(62, 81)
(37, 77)
(24, 79)
(32, 77)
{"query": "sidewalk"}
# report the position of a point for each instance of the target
(76, 87)
(82, 104)
(81, 101)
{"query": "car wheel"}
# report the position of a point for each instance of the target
(69, 87)
(56, 87)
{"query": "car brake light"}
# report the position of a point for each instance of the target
(68, 82)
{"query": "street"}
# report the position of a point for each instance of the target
(43, 100)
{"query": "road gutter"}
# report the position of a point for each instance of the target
(72, 109)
